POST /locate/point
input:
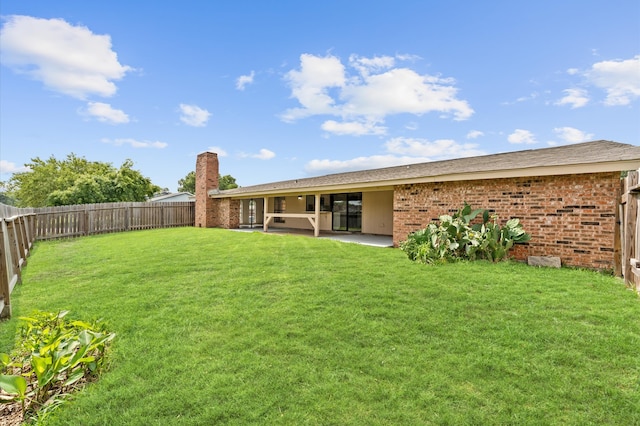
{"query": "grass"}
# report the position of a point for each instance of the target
(215, 326)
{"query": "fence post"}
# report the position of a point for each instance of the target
(26, 231)
(8, 274)
(5, 293)
(22, 238)
(629, 232)
(617, 235)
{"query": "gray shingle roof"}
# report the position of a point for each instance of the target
(567, 155)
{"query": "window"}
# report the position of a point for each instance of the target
(279, 206)
(347, 212)
(311, 203)
(252, 211)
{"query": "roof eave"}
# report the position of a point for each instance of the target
(603, 167)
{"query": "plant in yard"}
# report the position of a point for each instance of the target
(53, 356)
(495, 241)
(455, 238)
(15, 386)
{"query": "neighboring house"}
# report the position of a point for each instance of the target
(566, 197)
(172, 198)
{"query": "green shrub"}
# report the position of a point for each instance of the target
(54, 355)
(454, 238)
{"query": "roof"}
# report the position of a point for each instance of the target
(587, 157)
(166, 197)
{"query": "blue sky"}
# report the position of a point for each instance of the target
(289, 89)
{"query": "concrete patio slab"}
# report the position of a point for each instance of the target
(346, 237)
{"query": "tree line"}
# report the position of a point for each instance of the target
(76, 180)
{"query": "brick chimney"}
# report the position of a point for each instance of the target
(207, 173)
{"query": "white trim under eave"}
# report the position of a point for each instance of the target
(572, 169)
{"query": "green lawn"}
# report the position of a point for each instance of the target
(215, 326)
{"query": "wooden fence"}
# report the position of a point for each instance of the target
(628, 244)
(89, 219)
(19, 228)
(17, 234)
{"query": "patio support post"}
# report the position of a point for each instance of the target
(265, 209)
(316, 228)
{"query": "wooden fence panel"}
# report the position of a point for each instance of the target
(8, 275)
(15, 244)
(58, 224)
(629, 213)
(90, 219)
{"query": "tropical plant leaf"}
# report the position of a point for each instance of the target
(74, 377)
(15, 385)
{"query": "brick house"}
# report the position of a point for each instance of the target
(566, 197)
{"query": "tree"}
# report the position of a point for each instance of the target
(227, 182)
(188, 183)
(6, 199)
(76, 180)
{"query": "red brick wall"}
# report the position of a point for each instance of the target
(206, 179)
(227, 213)
(571, 216)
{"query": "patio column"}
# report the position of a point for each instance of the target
(265, 209)
(316, 229)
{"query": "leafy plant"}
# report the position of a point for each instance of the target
(15, 386)
(455, 238)
(54, 354)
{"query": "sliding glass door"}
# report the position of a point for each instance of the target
(347, 212)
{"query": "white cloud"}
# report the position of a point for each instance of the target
(221, 152)
(522, 136)
(368, 65)
(402, 90)
(573, 71)
(620, 79)
(530, 97)
(105, 113)
(473, 134)
(407, 57)
(371, 91)
(9, 167)
(572, 135)
(264, 154)
(360, 163)
(436, 150)
(193, 115)
(67, 59)
(311, 83)
(577, 98)
(399, 151)
(243, 80)
(135, 143)
(354, 128)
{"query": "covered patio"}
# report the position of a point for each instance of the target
(346, 237)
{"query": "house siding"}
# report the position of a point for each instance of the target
(569, 216)
(377, 212)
